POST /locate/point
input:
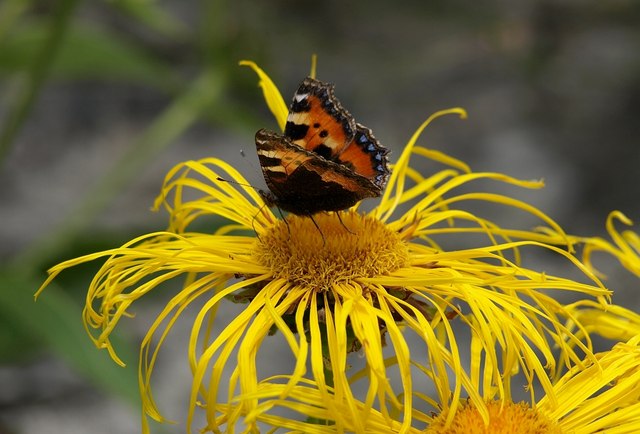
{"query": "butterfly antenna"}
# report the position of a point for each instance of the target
(343, 225)
(253, 166)
(324, 242)
(236, 182)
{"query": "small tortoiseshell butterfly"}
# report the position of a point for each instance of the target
(325, 161)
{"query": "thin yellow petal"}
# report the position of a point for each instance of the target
(396, 181)
(272, 95)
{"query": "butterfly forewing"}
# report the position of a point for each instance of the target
(317, 122)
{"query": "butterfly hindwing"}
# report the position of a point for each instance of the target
(303, 183)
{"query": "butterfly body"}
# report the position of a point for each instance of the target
(325, 161)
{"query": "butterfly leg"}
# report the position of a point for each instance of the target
(343, 225)
(253, 226)
(285, 221)
(324, 242)
(253, 221)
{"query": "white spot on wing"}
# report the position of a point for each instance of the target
(299, 118)
(300, 96)
(275, 169)
(329, 142)
(267, 153)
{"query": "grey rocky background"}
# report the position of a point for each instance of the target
(552, 89)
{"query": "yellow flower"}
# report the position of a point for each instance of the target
(377, 283)
(602, 395)
(626, 248)
(611, 322)
(597, 397)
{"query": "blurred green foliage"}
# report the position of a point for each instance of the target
(43, 42)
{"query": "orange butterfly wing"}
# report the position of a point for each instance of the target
(317, 122)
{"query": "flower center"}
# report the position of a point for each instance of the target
(341, 248)
(507, 418)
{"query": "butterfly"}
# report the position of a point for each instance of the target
(324, 161)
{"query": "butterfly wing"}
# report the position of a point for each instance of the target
(325, 161)
(366, 157)
(303, 183)
(317, 122)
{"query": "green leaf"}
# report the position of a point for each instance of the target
(55, 319)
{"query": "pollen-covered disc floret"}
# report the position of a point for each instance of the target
(504, 418)
(340, 248)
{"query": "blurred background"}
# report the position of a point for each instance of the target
(99, 99)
